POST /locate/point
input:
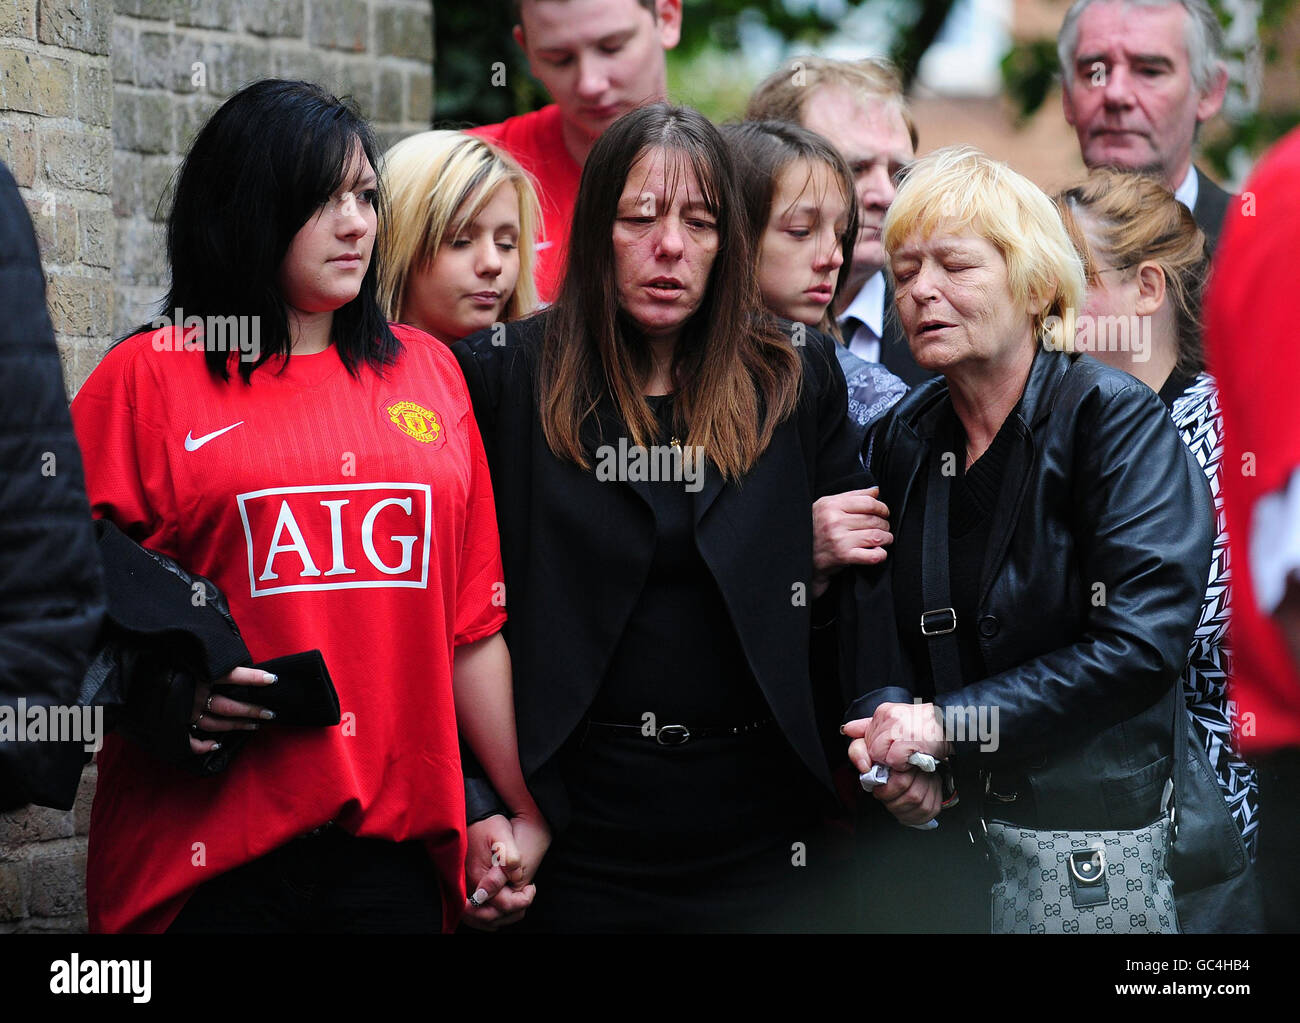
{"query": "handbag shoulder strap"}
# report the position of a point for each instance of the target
(939, 624)
(1179, 774)
(939, 617)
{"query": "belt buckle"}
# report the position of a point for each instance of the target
(672, 735)
(950, 619)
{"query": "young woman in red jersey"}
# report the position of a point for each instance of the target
(326, 473)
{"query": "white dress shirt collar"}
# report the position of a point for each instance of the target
(1187, 192)
(868, 304)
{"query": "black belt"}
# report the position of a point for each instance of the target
(679, 735)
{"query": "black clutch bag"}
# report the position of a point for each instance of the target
(303, 693)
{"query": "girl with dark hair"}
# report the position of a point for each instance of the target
(656, 442)
(802, 215)
(337, 492)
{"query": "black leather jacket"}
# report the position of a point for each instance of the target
(1099, 488)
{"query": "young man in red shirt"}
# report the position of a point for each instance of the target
(598, 59)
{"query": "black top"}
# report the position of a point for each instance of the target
(641, 808)
(1174, 386)
(679, 632)
(972, 508)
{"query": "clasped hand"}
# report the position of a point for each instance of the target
(500, 865)
(889, 737)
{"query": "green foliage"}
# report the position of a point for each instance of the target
(1254, 134)
(715, 24)
(469, 39)
(472, 36)
(1028, 72)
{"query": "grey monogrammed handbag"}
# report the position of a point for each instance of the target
(1082, 882)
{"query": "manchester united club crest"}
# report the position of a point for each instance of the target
(416, 421)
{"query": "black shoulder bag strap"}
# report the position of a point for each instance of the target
(939, 620)
(939, 626)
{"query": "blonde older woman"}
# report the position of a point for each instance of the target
(458, 237)
(1052, 539)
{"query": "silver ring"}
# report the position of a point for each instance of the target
(207, 707)
(194, 725)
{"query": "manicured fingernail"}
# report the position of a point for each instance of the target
(479, 897)
(215, 746)
(842, 731)
(270, 679)
(267, 715)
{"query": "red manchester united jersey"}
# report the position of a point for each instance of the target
(353, 515)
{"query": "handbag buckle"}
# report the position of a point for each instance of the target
(1088, 866)
(945, 620)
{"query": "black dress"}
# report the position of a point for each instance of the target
(709, 835)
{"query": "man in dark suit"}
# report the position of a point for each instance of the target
(1137, 84)
(858, 106)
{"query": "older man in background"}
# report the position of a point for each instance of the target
(1139, 78)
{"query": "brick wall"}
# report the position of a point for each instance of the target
(174, 62)
(98, 103)
(55, 136)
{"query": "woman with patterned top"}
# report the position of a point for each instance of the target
(1145, 259)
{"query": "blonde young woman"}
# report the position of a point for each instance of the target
(458, 243)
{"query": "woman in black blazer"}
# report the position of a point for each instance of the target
(656, 443)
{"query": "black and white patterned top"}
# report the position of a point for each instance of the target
(873, 390)
(1205, 679)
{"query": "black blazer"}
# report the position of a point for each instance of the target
(1211, 208)
(577, 551)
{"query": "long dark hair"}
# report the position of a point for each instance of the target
(257, 171)
(763, 150)
(737, 375)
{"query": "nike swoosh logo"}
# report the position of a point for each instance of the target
(193, 443)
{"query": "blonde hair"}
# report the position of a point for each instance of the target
(960, 187)
(1133, 218)
(435, 183)
(781, 95)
